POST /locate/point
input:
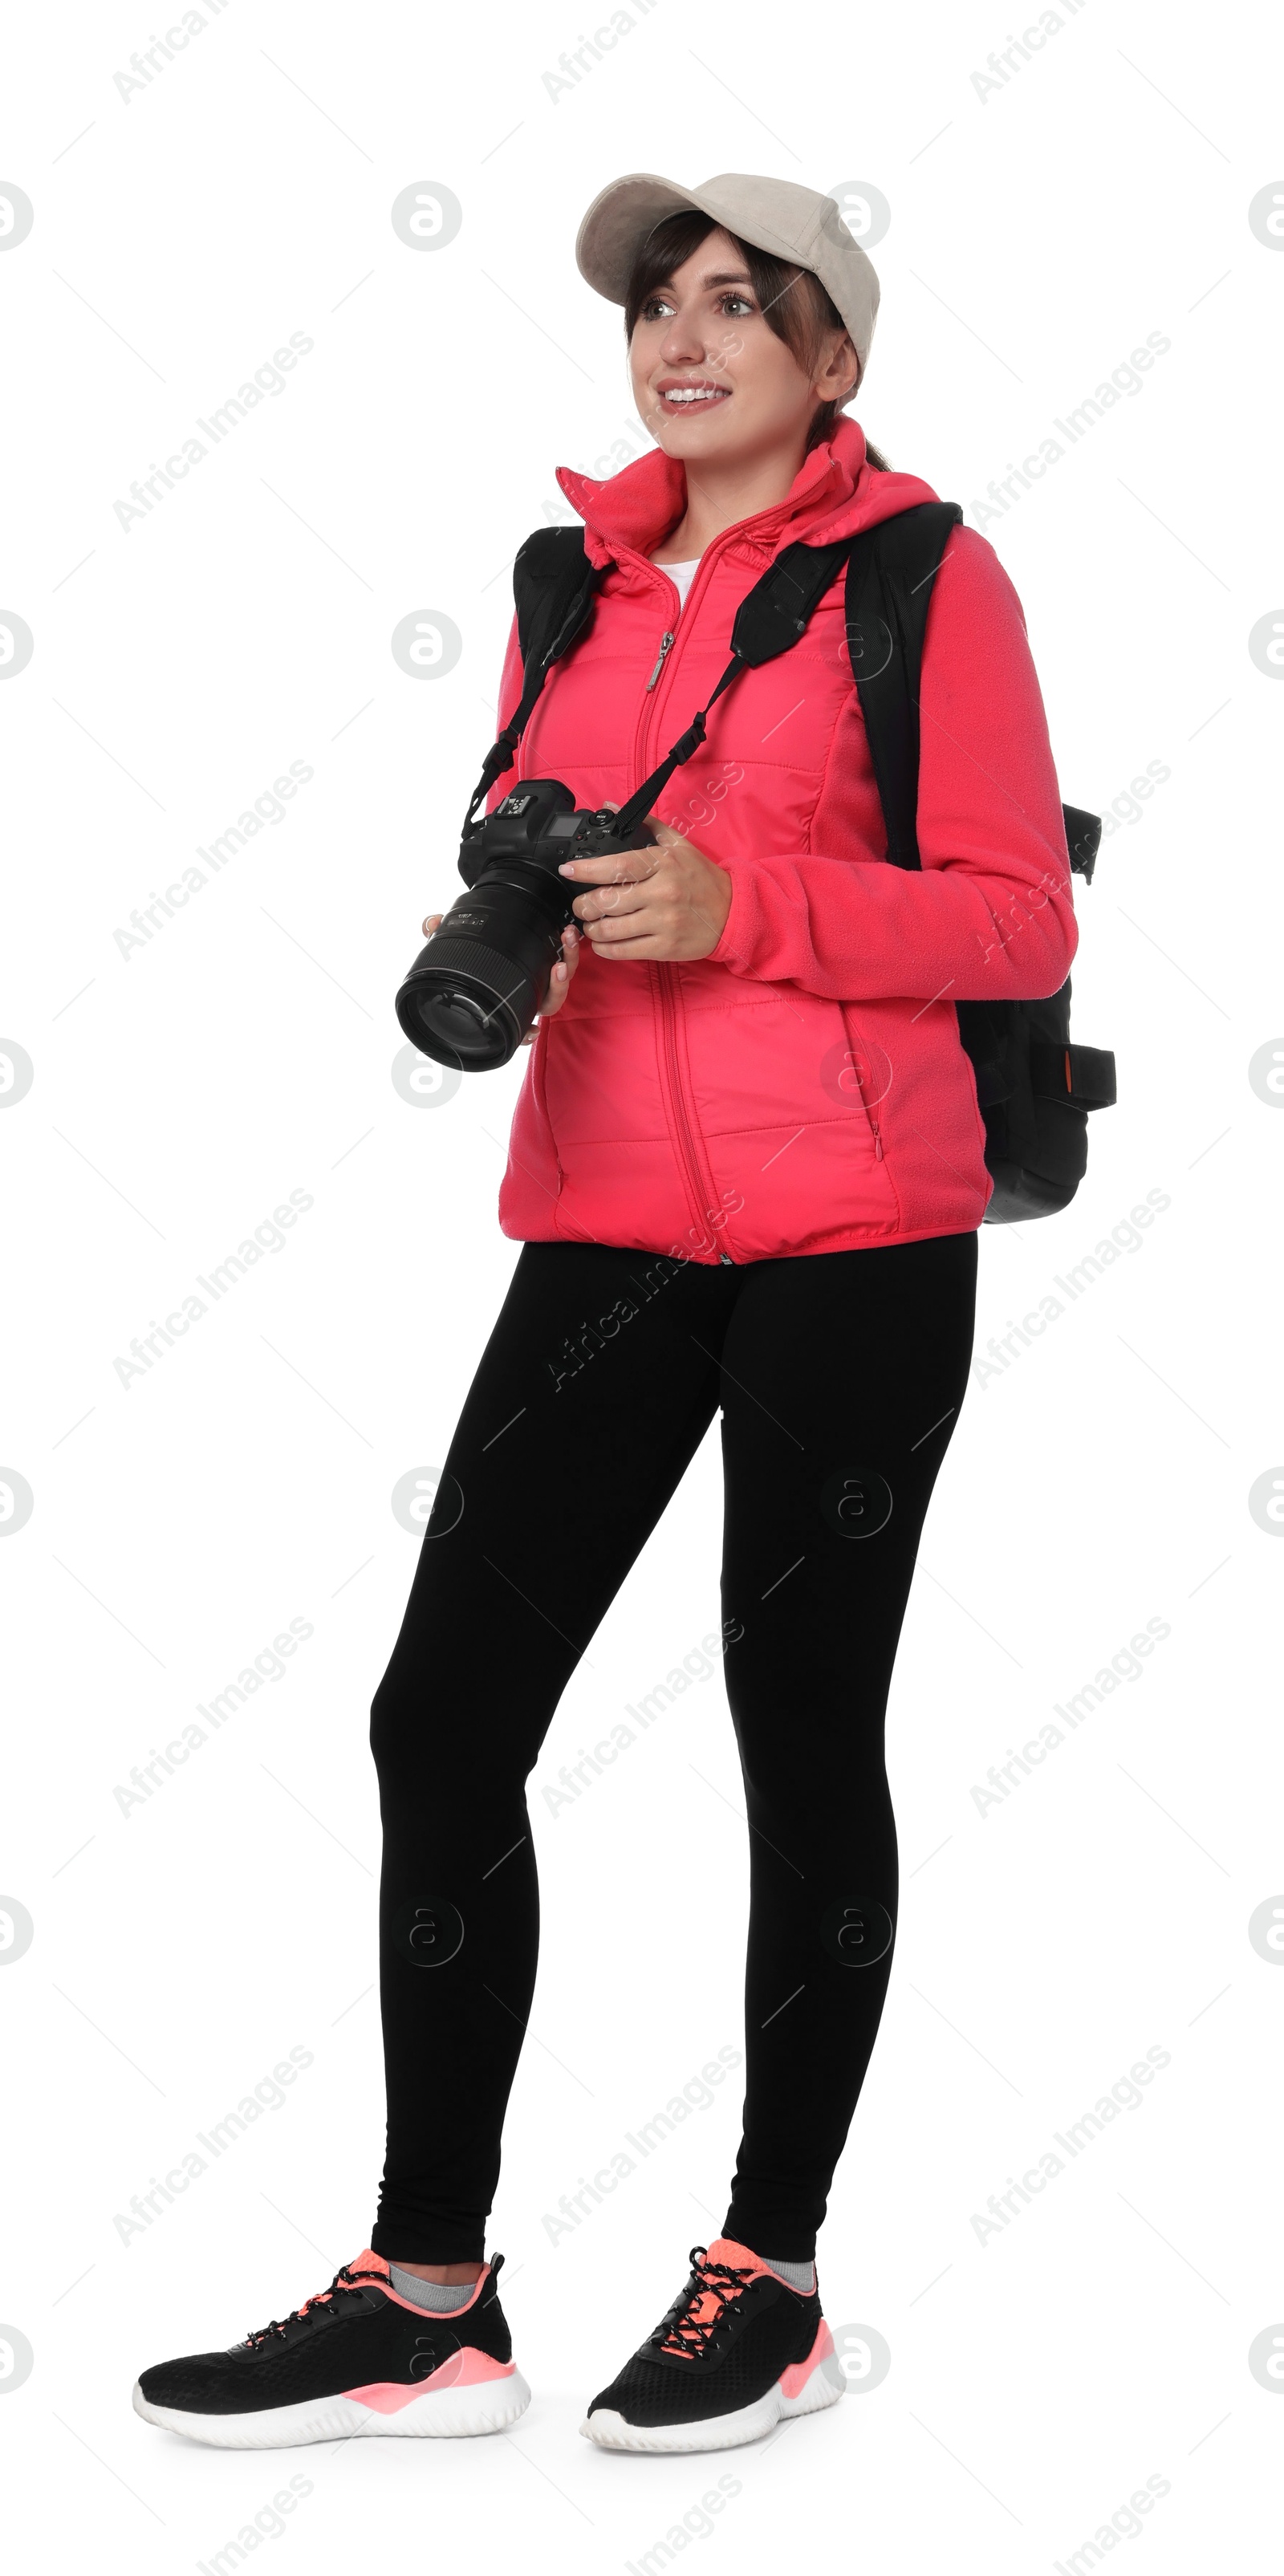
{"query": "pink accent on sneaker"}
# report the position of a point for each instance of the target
(463, 2370)
(376, 2262)
(685, 2338)
(366, 2262)
(725, 2249)
(795, 2378)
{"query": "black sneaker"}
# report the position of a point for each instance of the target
(355, 2358)
(738, 2349)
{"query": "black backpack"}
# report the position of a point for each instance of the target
(1034, 1086)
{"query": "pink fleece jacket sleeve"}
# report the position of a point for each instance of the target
(989, 916)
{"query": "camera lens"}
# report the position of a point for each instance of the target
(457, 1020)
(473, 992)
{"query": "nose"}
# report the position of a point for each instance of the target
(683, 344)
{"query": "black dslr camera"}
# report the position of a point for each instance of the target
(474, 990)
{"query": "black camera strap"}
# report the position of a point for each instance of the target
(562, 584)
(770, 619)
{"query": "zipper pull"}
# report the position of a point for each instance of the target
(665, 642)
(878, 1140)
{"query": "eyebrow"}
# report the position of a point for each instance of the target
(729, 277)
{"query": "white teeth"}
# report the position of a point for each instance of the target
(694, 393)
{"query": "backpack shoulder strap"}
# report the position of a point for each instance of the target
(776, 611)
(890, 573)
(552, 578)
(553, 588)
(769, 619)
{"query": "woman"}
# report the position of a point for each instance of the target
(747, 1171)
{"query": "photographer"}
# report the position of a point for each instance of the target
(747, 1170)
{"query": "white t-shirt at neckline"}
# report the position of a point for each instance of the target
(681, 575)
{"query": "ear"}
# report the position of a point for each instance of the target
(841, 373)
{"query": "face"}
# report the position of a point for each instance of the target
(711, 379)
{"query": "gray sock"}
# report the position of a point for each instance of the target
(800, 2276)
(430, 2294)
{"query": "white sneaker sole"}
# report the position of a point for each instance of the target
(823, 2387)
(486, 2407)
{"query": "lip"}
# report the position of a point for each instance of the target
(688, 385)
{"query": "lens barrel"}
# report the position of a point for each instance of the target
(474, 990)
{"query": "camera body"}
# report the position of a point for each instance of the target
(476, 986)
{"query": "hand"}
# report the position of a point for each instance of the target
(668, 901)
(559, 981)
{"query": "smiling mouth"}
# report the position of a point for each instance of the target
(693, 397)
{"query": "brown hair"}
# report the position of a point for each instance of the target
(794, 303)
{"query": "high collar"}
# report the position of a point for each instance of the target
(834, 494)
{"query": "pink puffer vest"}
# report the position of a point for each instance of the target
(802, 1089)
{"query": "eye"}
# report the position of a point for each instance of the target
(654, 306)
(734, 304)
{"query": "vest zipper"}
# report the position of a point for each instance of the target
(697, 1185)
(666, 642)
(695, 1180)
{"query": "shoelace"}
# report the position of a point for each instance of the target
(687, 2330)
(345, 2279)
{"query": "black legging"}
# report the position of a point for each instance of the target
(839, 1375)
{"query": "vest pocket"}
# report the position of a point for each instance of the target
(858, 1075)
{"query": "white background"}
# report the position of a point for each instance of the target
(183, 1946)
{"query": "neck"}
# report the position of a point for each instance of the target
(719, 497)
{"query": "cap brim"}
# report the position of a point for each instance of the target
(617, 224)
(789, 222)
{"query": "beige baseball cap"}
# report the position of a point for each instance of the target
(774, 215)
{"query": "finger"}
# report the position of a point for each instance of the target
(621, 951)
(433, 922)
(618, 931)
(613, 899)
(619, 867)
(559, 982)
(668, 838)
